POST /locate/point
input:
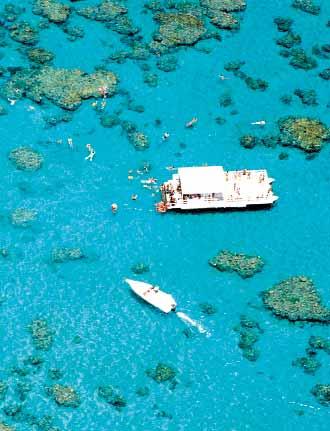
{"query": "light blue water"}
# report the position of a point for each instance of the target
(121, 337)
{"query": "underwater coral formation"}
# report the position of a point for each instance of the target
(249, 333)
(65, 254)
(319, 343)
(162, 373)
(207, 308)
(307, 97)
(322, 393)
(243, 264)
(23, 217)
(42, 335)
(52, 10)
(26, 159)
(252, 83)
(64, 396)
(111, 395)
(5, 427)
(296, 299)
(64, 87)
(309, 364)
(306, 133)
(306, 6)
(140, 268)
(24, 33)
(40, 55)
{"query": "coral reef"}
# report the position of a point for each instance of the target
(40, 55)
(249, 333)
(26, 159)
(221, 12)
(325, 74)
(5, 427)
(322, 393)
(283, 24)
(109, 121)
(309, 364)
(143, 391)
(225, 100)
(42, 335)
(54, 374)
(22, 389)
(306, 6)
(226, 21)
(3, 390)
(167, 63)
(296, 299)
(66, 88)
(139, 140)
(253, 83)
(322, 51)
(150, 79)
(307, 97)
(249, 141)
(289, 40)
(64, 396)
(140, 268)
(23, 217)
(178, 29)
(23, 33)
(305, 133)
(300, 60)
(106, 11)
(207, 308)
(61, 255)
(319, 343)
(111, 396)
(243, 264)
(52, 10)
(162, 373)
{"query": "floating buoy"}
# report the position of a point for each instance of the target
(114, 208)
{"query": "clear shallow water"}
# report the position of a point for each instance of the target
(121, 338)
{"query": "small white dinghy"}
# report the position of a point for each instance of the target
(151, 294)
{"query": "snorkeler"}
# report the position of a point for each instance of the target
(91, 152)
(165, 136)
(259, 123)
(192, 122)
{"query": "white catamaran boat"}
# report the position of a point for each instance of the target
(151, 294)
(211, 187)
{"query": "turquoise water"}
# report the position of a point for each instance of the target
(120, 337)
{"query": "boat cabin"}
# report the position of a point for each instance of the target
(210, 187)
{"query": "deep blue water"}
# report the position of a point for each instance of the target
(121, 337)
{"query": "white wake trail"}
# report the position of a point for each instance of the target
(186, 319)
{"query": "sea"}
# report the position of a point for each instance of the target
(104, 335)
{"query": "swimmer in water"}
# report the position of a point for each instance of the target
(223, 78)
(70, 142)
(259, 123)
(192, 122)
(91, 152)
(165, 136)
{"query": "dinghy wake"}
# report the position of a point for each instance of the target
(188, 321)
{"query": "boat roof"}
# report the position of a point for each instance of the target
(201, 179)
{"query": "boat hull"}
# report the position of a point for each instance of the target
(153, 296)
